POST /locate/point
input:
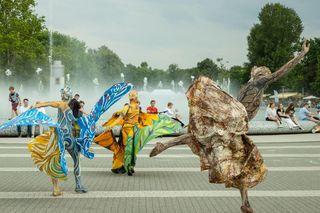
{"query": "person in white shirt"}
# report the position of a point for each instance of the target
(169, 110)
(172, 113)
(271, 114)
(43, 110)
(25, 107)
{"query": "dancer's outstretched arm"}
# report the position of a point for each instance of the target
(289, 65)
(122, 113)
(55, 104)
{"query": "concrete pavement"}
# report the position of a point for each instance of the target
(168, 183)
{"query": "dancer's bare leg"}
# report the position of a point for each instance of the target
(245, 208)
(56, 187)
(160, 147)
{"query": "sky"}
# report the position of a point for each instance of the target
(163, 32)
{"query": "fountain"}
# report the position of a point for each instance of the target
(20, 89)
(180, 83)
(122, 77)
(160, 85)
(40, 86)
(145, 83)
(173, 85)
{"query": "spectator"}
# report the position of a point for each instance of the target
(43, 110)
(172, 113)
(169, 110)
(281, 112)
(23, 109)
(286, 118)
(291, 113)
(271, 114)
(306, 115)
(81, 111)
(152, 109)
(14, 98)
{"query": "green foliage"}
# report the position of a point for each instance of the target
(24, 46)
(21, 38)
(273, 41)
(109, 65)
(311, 69)
(207, 68)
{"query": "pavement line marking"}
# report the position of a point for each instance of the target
(176, 156)
(156, 141)
(187, 148)
(163, 169)
(157, 194)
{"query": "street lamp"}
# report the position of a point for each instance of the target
(38, 70)
(8, 72)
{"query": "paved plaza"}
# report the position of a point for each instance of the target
(168, 183)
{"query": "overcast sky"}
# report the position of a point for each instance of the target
(163, 32)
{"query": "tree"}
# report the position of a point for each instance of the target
(273, 41)
(109, 65)
(21, 36)
(207, 68)
(311, 68)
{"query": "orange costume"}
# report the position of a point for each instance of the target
(138, 128)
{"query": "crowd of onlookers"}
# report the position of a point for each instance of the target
(280, 115)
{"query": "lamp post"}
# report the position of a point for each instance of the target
(8, 72)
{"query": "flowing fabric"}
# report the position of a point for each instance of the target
(151, 127)
(48, 150)
(134, 137)
(88, 123)
(45, 154)
(54, 166)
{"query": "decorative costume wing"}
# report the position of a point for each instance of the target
(150, 126)
(56, 166)
(88, 123)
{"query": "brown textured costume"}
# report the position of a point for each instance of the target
(250, 95)
(217, 134)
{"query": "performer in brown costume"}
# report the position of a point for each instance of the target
(250, 95)
(217, 130)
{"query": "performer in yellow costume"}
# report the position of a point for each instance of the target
(138, 128)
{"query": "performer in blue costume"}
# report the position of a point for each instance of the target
(47, 150)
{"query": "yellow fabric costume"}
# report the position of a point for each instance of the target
(45, 154)
(138, 128)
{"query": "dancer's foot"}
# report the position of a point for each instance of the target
(120, 170)
(130, 171)
(56, 193)
(81, 189)
(246, 209)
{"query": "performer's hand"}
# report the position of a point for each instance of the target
(305, 46)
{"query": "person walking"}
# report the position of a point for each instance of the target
(14, 98)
